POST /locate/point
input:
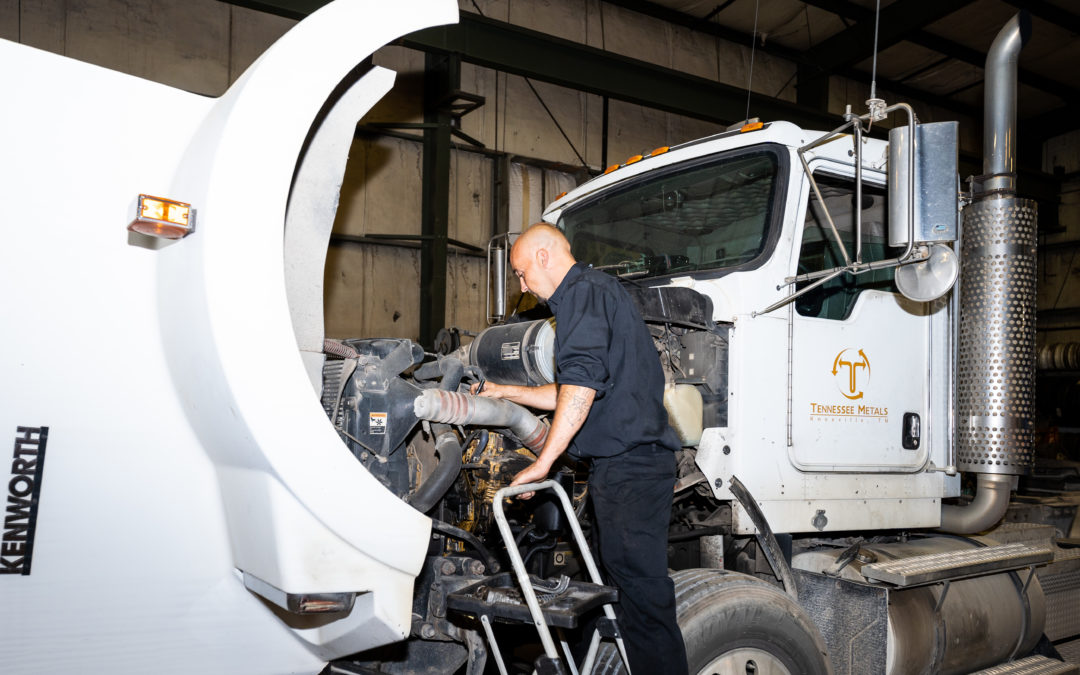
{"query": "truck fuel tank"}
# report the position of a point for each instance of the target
(952, 626)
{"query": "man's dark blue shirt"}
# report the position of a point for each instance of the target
(602, 343)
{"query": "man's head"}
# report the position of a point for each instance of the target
(540, 259)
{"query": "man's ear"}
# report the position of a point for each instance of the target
(542, 257)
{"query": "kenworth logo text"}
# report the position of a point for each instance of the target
(23, 493)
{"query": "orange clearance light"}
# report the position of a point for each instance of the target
(610, 169)
(561, 194)
(164, 218)
(659, 151)
(634, 159)
(752, 126)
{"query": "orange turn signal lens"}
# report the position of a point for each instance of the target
(164, 218)
(752, 126)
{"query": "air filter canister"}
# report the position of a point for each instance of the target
(996, 378)
(516, 353)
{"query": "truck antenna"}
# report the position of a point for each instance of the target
(873, 66)
(753, 46)
(875, 104)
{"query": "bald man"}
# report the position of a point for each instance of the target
(608, 403)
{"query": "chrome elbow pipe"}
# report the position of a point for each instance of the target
(987, 510)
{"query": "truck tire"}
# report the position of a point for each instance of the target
(734, 624)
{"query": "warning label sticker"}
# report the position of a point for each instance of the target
(377, 423)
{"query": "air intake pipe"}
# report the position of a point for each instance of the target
(447, 447)
(450, 407)
(995, 391)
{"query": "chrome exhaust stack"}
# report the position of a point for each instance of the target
(995, 393)
(999, 106)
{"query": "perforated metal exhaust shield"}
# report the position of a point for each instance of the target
(996, 379)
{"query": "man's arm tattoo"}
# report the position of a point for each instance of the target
(578, 407)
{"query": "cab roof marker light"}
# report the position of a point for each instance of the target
(162, 218)
(611, 168)
(751, 126)
(659, 151)
(561, 194)
(634, 160)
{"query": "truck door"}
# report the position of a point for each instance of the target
(860, 351)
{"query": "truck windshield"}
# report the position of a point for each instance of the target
(705, 216)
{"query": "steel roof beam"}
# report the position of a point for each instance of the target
(511, 49)
(508, 48)
(290, 9)
(933, 42)
(899, 22)
(1048, 12)
(799, 58)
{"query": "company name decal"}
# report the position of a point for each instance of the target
(23, 494)
(816, 409)
(851, 374)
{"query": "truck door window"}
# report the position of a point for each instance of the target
(704, 215)
(835, 299)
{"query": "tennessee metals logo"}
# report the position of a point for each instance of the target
(851, 374)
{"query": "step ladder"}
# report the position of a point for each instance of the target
(544, 603)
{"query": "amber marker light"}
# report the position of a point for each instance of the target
(659, 151)
(561, 194)
(633, 160)
(163, 218)
(752, 126)
(610, 169)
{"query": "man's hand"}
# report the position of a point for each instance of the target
(542, 397)
(534, 473)
(491, 390)
(573, 405)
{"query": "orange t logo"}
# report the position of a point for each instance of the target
(853, 365)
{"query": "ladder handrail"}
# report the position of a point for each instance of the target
(522, 574)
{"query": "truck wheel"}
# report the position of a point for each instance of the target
(734, 624)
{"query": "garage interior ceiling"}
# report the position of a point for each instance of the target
(933, 50)
(928, 50)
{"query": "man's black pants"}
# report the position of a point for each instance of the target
(631, 495)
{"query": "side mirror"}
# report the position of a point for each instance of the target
(935, 184)
(933, 206)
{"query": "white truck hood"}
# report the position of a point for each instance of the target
(185, 444)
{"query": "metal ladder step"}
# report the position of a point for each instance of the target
(538, 595)
(499, 598)
(936, 567)
(1032, 665)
